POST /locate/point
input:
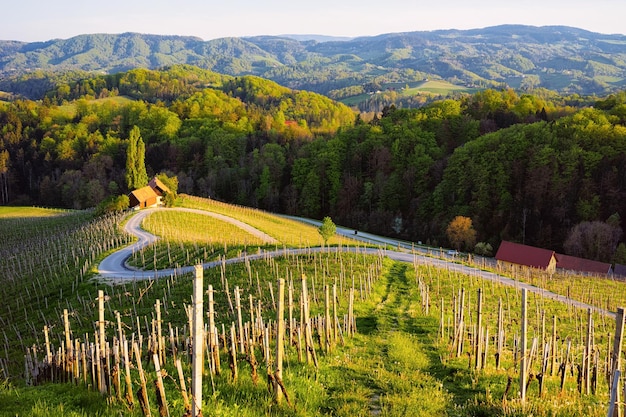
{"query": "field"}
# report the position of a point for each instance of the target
(5, 97)
(69, 110)
(428, 87)
(25, 212)
(415, 340)
(438, 87)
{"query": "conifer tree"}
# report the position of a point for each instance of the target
(136, 176)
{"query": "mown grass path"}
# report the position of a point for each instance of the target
(388, 364)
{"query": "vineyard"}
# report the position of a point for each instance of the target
(342, 330)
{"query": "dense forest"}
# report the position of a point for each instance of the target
(523, 167)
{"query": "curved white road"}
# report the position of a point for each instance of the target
(114, 269)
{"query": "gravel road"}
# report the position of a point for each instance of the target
(114, 268)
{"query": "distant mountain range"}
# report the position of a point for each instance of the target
(563, 59)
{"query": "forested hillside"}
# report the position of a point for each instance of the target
(562, 59)
(522, 167)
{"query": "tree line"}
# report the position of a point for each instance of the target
(528, 168)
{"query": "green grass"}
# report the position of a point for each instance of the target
(43, 267)
(20, 212)
(396, 365)
(189, 238)
(192, 227)
(52, 400)
(69, 110)
(289, 232)
(438, 87)
(415, 88)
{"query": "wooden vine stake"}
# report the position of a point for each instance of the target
(183, 386)
(588, 353)
(290, 309)
(213, 342)
(614, 408)
(308, 332)
(198, 343)
(478, 338)
(351, 322)
(500, 335)
(335, 333)
(279, 387)
(233, 353)
(553, 347)
(143, 391)
(239, 320)
(68, 340)
(565, 363)
(127, 379)
(327, 322)
(159, 343)
(160, 389)
(102, 344)
(616, 361)
(522, 347)
(48, 351)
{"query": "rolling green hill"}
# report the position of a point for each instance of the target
(564, 59)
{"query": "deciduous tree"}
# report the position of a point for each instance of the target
(593, 240)
(461, 233)
(4, 180)
(327, 229)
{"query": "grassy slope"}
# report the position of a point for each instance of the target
(69, 110)
(395, 366)
(289, 232)
(430, 87)
(17, 212)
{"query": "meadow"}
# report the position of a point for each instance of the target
(415, 88)
(409, 356)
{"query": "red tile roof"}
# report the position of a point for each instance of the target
(144, 196)
(574, 263)
(519, 254)
(158, 186)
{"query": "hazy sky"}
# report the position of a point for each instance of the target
(37, 20)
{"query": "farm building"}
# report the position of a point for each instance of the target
(159, 188)
(513, 255)
(586, 266)
(620, 270)
(143, 197)
(149, 196)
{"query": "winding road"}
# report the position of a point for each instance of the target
(114, 268)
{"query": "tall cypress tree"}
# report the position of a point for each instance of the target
(136, 176)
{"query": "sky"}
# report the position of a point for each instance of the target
(37, 20)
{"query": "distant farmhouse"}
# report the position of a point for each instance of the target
(586, 266)
(620, 270)
(159, 188)
(515, 255)
(149, 196)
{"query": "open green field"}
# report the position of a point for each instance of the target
(438, 87)
(401, 362)
(288, 232)
(69, 110)
(428, 87)
(16, 212)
